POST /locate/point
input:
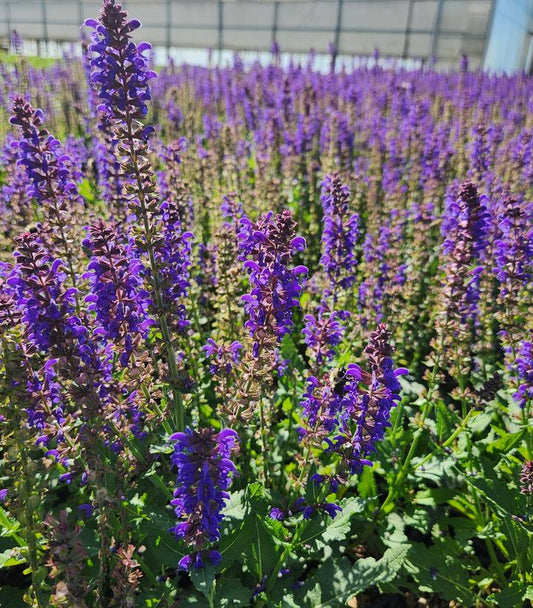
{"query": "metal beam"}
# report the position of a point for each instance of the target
(220, 27)
(8, 21)
(488, 32)
(337, 36)
(435, 31)
(169, 24)
(275, 23)
(408, 24)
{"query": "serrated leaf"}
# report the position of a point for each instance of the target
(234, 541)
(506, 442)
(480, 421)
(11, 557)
(395, 535)
(434, 496)
(203, 580)
(236, 507)
(367, 484)
(261, 551)
(230, 592)
(446, 421)
(441, 471)
(442, 568)
(9, 528)
(510, 597)
(338, 527)
(340, 579)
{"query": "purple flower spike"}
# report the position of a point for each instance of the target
(117, 294)
(203, 462)
(223, 358)
(119, 69)
(266, 249)
(524, 371)
(340, 234)
(350, 410)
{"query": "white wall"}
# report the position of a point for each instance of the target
(395, 27)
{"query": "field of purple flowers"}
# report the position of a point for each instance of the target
(266, 334)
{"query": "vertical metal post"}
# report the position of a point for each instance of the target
(337, 35)
(220, 28)
(168, 29)
(436, 28)
(275, 23)
(488, 33)
(8, 23)
(408, 25)
(45, 24)
(81, 14)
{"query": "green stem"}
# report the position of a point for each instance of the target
(29, 511)
(264, 442)
(136, 173)
(448, 441)
(29, 534)
(393, 491)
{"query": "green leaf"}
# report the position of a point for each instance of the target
(234, 540)
(338, 528)
(442, 568)
(434, 496)
(481, 421)
(506, 442)
(203, 580)
(441, 471)
(86, 190)
(9, 527)
(367, 484)
(162, 547)
(261, 551)
(394, 535)
(339, 579)
(446, 421)
(11, 557)
(511, 596)
(230, 592)
(236, 506)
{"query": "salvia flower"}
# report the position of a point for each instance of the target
(119, 69)
(171, 183)
(222, 358)
(47, 305)
(350, 411)
(14, 202)
(50, 179)
(204, 473)
(323, 331)
(48, 168)
(174, 261)
(465, 228)
(51, 325)
(120, 74)
(513, 250)
(117, 293)
(339, 235)
(526, 478)
(524, 372)
(268, 247)
(372, 407)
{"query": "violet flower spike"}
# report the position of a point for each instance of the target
(204, 473)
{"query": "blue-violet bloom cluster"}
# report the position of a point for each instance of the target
(267, 247)
(204, 472)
